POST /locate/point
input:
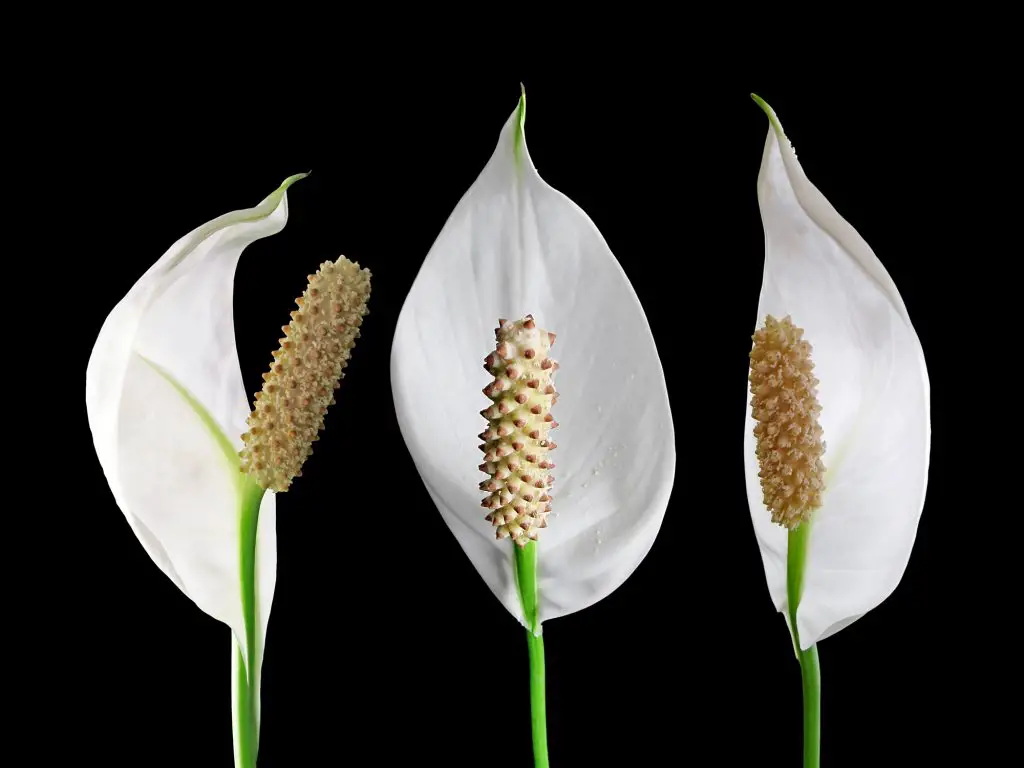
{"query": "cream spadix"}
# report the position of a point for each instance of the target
(167, 410)
(517, 442)
(872, 386)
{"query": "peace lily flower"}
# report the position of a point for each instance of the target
(194, 472)
(838, 428)
(516, 250)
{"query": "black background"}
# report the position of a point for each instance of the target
(385, 647)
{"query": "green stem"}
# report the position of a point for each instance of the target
(526, 578)
(810, 672)
(538, 706)
(811, 676)
(242, 711)
(245, 726)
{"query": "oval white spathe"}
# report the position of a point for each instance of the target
(515, 246)
(874, 394)
(167, 408)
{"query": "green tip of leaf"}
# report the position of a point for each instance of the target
(770, 112)
(520, 122)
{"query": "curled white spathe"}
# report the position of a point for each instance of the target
(167, 408)
(515, 246)
(874, 394)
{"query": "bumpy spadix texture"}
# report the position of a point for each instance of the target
(517, 444)
(873, 390)
(785, 407)
(308, 367)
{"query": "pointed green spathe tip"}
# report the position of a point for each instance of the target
(520, 122)
(292, 179)
(771, 114)
(274, 197)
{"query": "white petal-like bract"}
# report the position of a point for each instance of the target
(167, 409)
(874, 394)
(515, 246)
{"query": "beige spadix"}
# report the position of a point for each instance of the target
(307, 368)
(785, 407)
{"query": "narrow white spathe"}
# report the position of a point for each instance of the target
(874, 394)
(514, 246)
(167, 409)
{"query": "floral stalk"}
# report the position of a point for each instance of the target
(810, 673)
(526, 581)
(516, 450)
(789, 449)
(244, 702)
(285, 422)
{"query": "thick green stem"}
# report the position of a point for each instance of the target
(241, 710)
(538, 705)
(811, 676)
(246, 729)
(526, 579)
(809, 671)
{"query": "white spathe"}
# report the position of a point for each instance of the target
(874, 394)
(514, 246)
(163, 367)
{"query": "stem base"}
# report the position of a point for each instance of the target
(810, 674)
(526, 580)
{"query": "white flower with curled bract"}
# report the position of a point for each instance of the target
(192, 469)
(518, 251)
(837, 438)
